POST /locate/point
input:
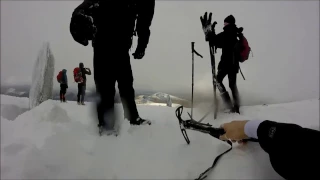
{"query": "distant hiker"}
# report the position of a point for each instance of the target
(63, 80)
(293, 150)
(111, 42)
(80, 77)
(229, 63)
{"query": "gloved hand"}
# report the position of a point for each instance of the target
(207, 26)
(82, 28)
(139, 53)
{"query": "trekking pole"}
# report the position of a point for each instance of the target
(192, 52)
(213, 68)
(241, 73)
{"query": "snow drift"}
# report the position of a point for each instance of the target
(61, 141)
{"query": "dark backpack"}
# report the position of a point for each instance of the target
(59, 77)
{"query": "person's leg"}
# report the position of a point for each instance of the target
(79, 93)
(235, 93)
(104, 77)
(126, 90)
(223, 92)
(61, 93)
(83, 93)
(64, 91)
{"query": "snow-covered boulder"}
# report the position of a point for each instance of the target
(42, 78)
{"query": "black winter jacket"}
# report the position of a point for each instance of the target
(84, 72)
(115, 21)
(293, 150)
(227, 40)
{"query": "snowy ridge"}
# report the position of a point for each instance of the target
(61, 141)
(160, 98)
(12, 91)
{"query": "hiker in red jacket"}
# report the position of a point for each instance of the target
(293, 150)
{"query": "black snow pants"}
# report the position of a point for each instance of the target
(81, 92)
(232, 77)
(112, 64)
(63, 91)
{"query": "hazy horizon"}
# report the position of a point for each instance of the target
(284, 36)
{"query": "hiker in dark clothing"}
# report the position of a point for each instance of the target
(293, 150)
(82, 86)
(111, 42)
(63, 85)
(229, 64)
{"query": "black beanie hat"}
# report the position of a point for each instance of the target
(81, 65)
(230, 19)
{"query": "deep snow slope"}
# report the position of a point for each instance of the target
(61, 141)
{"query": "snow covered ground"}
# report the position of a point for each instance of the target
(61, 141)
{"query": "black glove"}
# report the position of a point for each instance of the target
(139, 53)
(207, 26)
(82, 28)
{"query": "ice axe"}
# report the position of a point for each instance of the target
(193, 51)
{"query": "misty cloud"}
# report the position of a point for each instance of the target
(284, 37)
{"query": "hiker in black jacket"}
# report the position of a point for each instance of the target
(111, 25)
(82, 86)
(63, 85)
(293, 150)
(228, 65)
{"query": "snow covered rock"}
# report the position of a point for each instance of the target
(42, 78)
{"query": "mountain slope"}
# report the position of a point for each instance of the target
(60, 141)
(161, 98)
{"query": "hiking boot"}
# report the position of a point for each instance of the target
(101, 128)
(226, 99)
(78, 103)
(235, 109)
(82, 103)
(140, 121)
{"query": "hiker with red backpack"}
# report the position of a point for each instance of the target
(233, 52)
(63, 80)
(79, 74)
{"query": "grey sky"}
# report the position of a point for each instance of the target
(284, 37)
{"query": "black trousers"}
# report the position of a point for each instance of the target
(111, 65)
(63, 91)
(232, 76)
(81, 92)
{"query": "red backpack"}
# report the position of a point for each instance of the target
(59, 76)
(77, 75)
(243, 49)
